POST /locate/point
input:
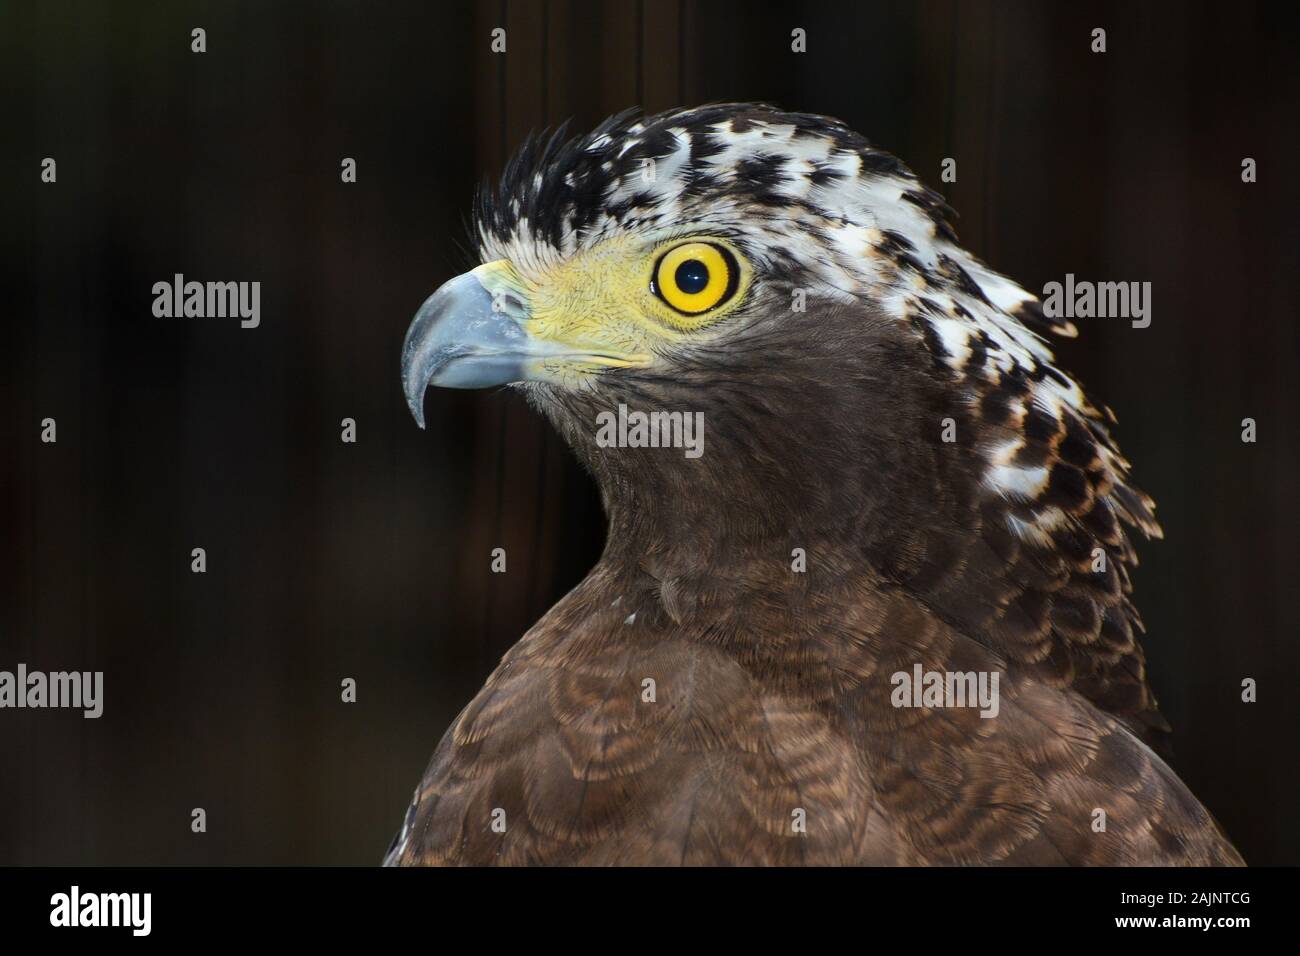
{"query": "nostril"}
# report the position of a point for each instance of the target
(508, 302)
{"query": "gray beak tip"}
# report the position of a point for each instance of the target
(413, 388)
(414, 384)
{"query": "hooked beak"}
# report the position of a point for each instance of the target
(474, 332)
(470, 334)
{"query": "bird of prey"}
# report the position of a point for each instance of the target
(895, 481)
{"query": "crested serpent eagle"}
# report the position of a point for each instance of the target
(895, 481)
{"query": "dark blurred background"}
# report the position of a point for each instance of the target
(371, 560)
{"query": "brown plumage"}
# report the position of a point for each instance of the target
(719, 689)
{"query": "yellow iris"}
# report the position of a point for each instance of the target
(695, 277)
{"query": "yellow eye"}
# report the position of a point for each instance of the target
(695, 277)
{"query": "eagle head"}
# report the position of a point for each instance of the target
(869, 391)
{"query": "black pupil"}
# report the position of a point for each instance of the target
(692, 276)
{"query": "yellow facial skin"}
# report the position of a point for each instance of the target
(600, 307)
